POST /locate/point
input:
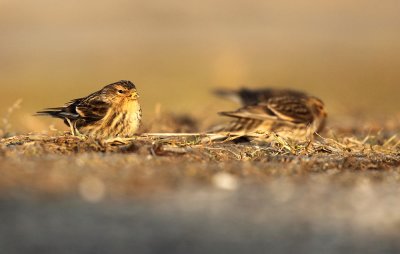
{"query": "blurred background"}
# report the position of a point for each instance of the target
(347, 52)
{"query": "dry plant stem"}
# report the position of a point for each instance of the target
(179, 134)
(390, 140)
(5, 126)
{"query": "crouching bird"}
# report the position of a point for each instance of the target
(113, 111)
(288, 113)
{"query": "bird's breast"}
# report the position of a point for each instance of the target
(133, 115)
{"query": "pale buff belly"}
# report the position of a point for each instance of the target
(118, 122)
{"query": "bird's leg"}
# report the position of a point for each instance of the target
(74, 131)
(71, 126)
(311, 129)
(77, 133)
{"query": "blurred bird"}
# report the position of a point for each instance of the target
(113, 111)
(288, 113)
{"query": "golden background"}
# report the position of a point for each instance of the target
(176, 52)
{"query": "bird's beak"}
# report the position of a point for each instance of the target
(135, 95)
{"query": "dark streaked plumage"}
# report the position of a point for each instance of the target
(113, 111)
(288, 113)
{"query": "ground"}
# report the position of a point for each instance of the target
(336, 193)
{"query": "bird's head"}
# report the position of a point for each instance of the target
(317, 106)
(121, 91)
(318, 109)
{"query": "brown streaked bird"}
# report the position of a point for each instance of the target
(288, 113)
(113, 111)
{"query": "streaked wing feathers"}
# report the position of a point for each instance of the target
(89, 108)
(92, 109)
(258, 112)
(287, 108)
(290, 108)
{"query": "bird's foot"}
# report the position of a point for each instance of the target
(80, 135)
(74, 131)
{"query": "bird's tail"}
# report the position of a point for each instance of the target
(59, 112)
(54, 112)
(231, 95)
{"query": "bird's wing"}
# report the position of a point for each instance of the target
(290, 108)
(286, 108)
(257, 112)
(90, 108)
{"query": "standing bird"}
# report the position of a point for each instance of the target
(113, 111)
(288, 113)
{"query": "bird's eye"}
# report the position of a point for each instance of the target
(120, 91)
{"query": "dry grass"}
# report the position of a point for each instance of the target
(5, 125)
(62, 164)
